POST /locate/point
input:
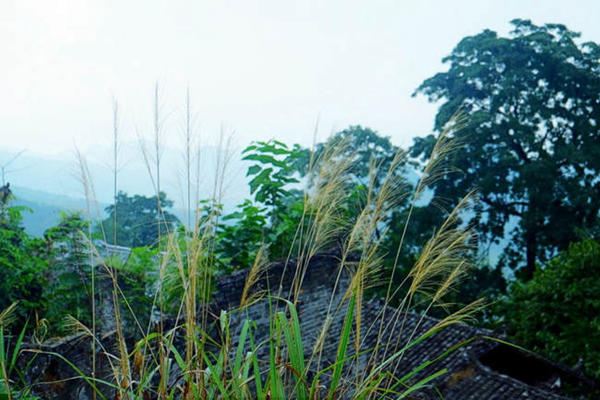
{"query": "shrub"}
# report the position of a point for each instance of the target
(558, 312)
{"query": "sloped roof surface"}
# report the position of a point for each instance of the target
(467, 377)
(477, 364)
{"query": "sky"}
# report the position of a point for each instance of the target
(257, 69)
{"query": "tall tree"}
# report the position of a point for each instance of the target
(22, 265)
(139, 220)
(531, 139)
(369, 150)
(68, 252)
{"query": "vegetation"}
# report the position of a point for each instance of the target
(370, 153)
(10, 349)
(558, 311)
(241, 236)
(139, 219)
(518, 123)
(237, 367)
(531, 136)
(188, 263)
(22, 265)
(69, 270)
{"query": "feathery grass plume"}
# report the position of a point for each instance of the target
(364, 238)
(189, 358)
(322, 221)
(125, 369)
(465, 314)
(187, 273)
(87, 183)
(189, 140)
(115, 166)
(123, 377)
(442, 261)
(117, 363)
(254, 275)
(7, 316)
(75, 326)
(40, 331)
(186, 255)
(446, 144)
(441, 265)
(436, 167)
(152, 161)
(442, 256)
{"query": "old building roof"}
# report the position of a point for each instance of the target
(476, 363)
(104, 250)
(479, 364)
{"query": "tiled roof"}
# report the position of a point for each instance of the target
(472, 372)
(478, 364)
(105, 250)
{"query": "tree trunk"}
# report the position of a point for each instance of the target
(530, 258)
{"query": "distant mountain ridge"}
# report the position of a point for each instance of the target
(49, 185)
(44, 208)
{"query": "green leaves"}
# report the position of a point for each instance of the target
(253, 170)
(275, 169)
(262, 180)
(557, 312)
(138, 220)
(340, 360)
(11, 348)
(22, 266)
(295, 349)
(531, 139)
(241, 236)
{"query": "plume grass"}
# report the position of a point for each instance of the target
(199, 355)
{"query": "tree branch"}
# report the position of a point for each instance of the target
(508, 208)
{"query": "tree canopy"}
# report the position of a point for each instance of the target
(558, 311)
(370, 151)
(22, 263)
(139, 220)
(531, 136)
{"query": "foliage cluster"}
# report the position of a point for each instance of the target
(558, 311)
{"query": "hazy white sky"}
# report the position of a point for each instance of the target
(261, 68)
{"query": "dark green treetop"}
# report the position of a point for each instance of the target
(22, 264)
(531, 139)
(558, 312)
(138, 220)
(370, 151)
